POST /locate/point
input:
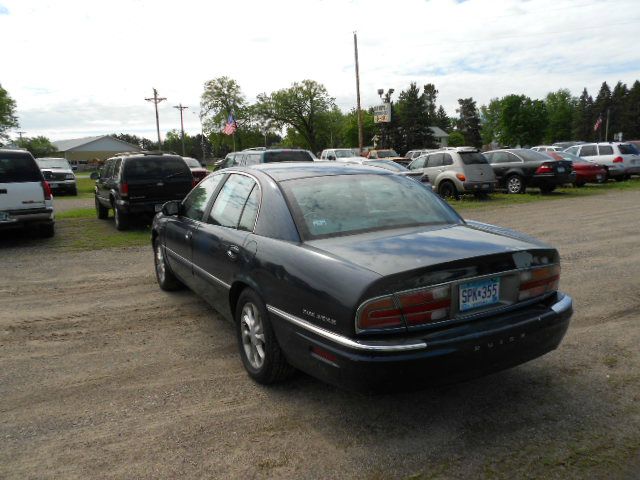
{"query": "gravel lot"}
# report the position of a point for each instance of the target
(102, 375)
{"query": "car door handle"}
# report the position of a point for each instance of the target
(232, 252)
(188, 236)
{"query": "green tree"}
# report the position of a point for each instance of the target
(221, 97)
(602, 101)
(38, 146)
(456, 139)
(469, 121)
(350, 128)
(522, 120)
(491, 117)
(141, 142)
(300, 107)
(442, 120)
(560, 106)
(413, 118)
(618, 111)
(8, 118)
(632, 126)
(583, 120)
(430, 94)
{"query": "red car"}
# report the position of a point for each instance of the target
(586, 170)
(197, 170)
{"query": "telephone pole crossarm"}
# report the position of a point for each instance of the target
(156, 100)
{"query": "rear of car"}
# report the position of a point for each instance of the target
(25, 197)
(58, 174)
(621, 159)
(197, 170)
(586, 171)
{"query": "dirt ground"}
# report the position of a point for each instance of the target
(102, 375)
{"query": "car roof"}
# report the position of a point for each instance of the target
(282, 171)
(17, 152)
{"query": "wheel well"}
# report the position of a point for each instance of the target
(234, 294)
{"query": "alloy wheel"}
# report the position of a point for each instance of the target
(160, 266)
(252, 333)
(514, 185)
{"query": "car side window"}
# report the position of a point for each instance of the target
(107, 171)
(252, 159)
(573, 150)
(512, 158)
(116, 168)
(435, 160)
(196, 202)
(499, 157)
(248, 216)
(230, 202)
(447, 160)
(605, 149)
(418, 163)
(588, 151)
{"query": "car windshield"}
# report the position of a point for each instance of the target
(387, 153)
(571, 157)
(18, 168)
(350, 204)
(288, 156)
(53, 163)
(193, 163)
(473, 158)
(150, 167)
(530, 155)
(628, 149)
(345, 153)
(387, 165)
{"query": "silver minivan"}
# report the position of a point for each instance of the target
(457, 170)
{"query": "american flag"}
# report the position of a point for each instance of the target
(231, 126)
(598, 124)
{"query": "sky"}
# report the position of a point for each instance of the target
(81, 68)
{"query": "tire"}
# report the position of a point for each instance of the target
(621, 178)
(259, 349)
(101, 212)
(74, 191)
(446, 189)
(47, 231)
(579, 184)
(165, 277)
(515, 184)
(122, 219)
(547, 188)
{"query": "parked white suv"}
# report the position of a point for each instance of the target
(58, 174)
(457, 170)
(25, 196)
(620, 158)
(340, 154)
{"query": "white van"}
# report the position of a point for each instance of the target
(25, 196)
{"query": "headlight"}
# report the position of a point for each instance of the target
(70, 176)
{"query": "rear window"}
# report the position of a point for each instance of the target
(588, 151)
(349, 204)
(150, 167)
(288, 156)
(473, 158)
(531, 156)
(18, 168)
(53, 163)
(628, 149)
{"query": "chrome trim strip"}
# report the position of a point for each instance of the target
(563, 305)
(347, 342)
(201, 271)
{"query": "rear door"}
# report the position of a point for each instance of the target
(105, 182)
(157, 179)
(21, 185)
(220, 243)
(500, 163)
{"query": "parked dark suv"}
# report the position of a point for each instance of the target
(139, 184)
(254, 157)
(519, 168)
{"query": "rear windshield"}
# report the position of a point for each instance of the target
(150, 167)
(18, 168)
(288, 156)
(473, 158)
(387, 165)
(628, 149)
(530, 155)
(58, 163)
(348, 204)
(192, 162)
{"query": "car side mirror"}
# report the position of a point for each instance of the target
(171, 208)
(94, 175)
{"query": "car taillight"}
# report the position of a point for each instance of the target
(124, 189)
(536, 282)
(545, 168)
(618, 160)
(47, 190)
(461, 177)
(414, 308)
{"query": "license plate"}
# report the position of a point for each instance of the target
(158, 207)
(479, 293)
(4, 216)
(560, 169)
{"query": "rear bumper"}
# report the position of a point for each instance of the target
(139, 208)
(635, 170)
(62, 185)
(562, 179)
(458, 353)
(591, 177)
(487, 187)
(23, 218)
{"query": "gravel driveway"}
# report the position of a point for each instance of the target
(102, 375)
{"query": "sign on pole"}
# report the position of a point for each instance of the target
(382, 113)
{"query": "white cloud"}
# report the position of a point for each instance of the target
(77, 67)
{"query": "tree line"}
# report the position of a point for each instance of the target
(305, 115)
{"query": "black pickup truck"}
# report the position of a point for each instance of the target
(139, 184)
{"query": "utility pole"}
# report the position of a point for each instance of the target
(20, 135)
(606, 129)
(358, 111)
(181, 108)
(156, 100)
